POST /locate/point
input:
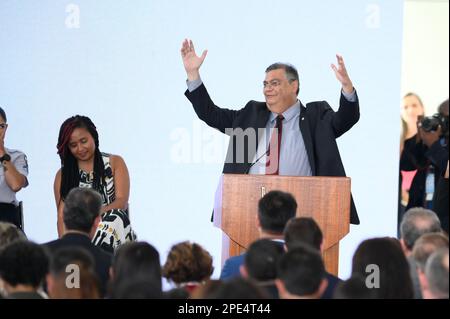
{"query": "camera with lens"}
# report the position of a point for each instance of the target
(431, 123)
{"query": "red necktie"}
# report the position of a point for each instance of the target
(273, 152)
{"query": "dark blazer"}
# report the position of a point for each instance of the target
(102, 258)
(319, 125)
(417, 156)
(231, 267)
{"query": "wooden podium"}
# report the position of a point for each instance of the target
(326, 199)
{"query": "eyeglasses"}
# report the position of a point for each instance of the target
(3, 125)
(272, 84)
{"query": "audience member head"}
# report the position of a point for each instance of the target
(416, 222)
(426, 245)
(260, 262)
(274, 211)
(301, 274)
(9, 233)
(23, 266)
(78, 141)
(303, 230)
(434, 283)
(138, 287)
(82, 210)
(383, 260)
(187, 263)
(237, 288)
(72, 275)
(354, 288)
(207, 289)
(136, 260)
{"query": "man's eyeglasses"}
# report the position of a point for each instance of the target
(273, 84)
(3, 125)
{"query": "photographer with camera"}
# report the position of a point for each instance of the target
(427, 152)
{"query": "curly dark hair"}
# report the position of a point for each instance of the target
(188, 262)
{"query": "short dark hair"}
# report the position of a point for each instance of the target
(140, 287)
(81, 207)
(70, 255)
(353, 288)
(89, 282)
(291, 72)
(301, 270)
(238, 288)
(23, 262)
(3, 114)
(274, 211)
(261, 259)
(303, 230)
(416, 222)
(136, 259)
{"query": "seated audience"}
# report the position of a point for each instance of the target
(301, 274)
(353, 288)
(9, 233)
(23, 266)
(416, 222)
(76, 266)
(304, 230)
(426, 245)
(188, 265)
(434, 282)
(260, 264)
(237, 288)
(382, 262)
(81, 217)
(274, 211)
(133, 261)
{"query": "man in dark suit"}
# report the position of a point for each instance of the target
(281, 135)
(274, 211)
(81, 218)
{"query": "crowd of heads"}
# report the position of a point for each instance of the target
(383, 268)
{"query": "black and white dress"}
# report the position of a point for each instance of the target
(114, 228)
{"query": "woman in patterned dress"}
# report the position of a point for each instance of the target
(83, 165)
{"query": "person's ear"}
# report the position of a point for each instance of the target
(281, 288)
(405, 249)
(50, 285)
(423, 281)
(243, 271)
(322, 287)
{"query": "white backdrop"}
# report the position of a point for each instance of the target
(118, 62)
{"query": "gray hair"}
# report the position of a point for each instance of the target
(426, 245)
(416, 222)
(289, 69)
(436, 272)
(81, 207)
(10, 233)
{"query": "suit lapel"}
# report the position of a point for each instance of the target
(307, 138)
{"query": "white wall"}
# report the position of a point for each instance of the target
(425, 56)
(119, 63)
